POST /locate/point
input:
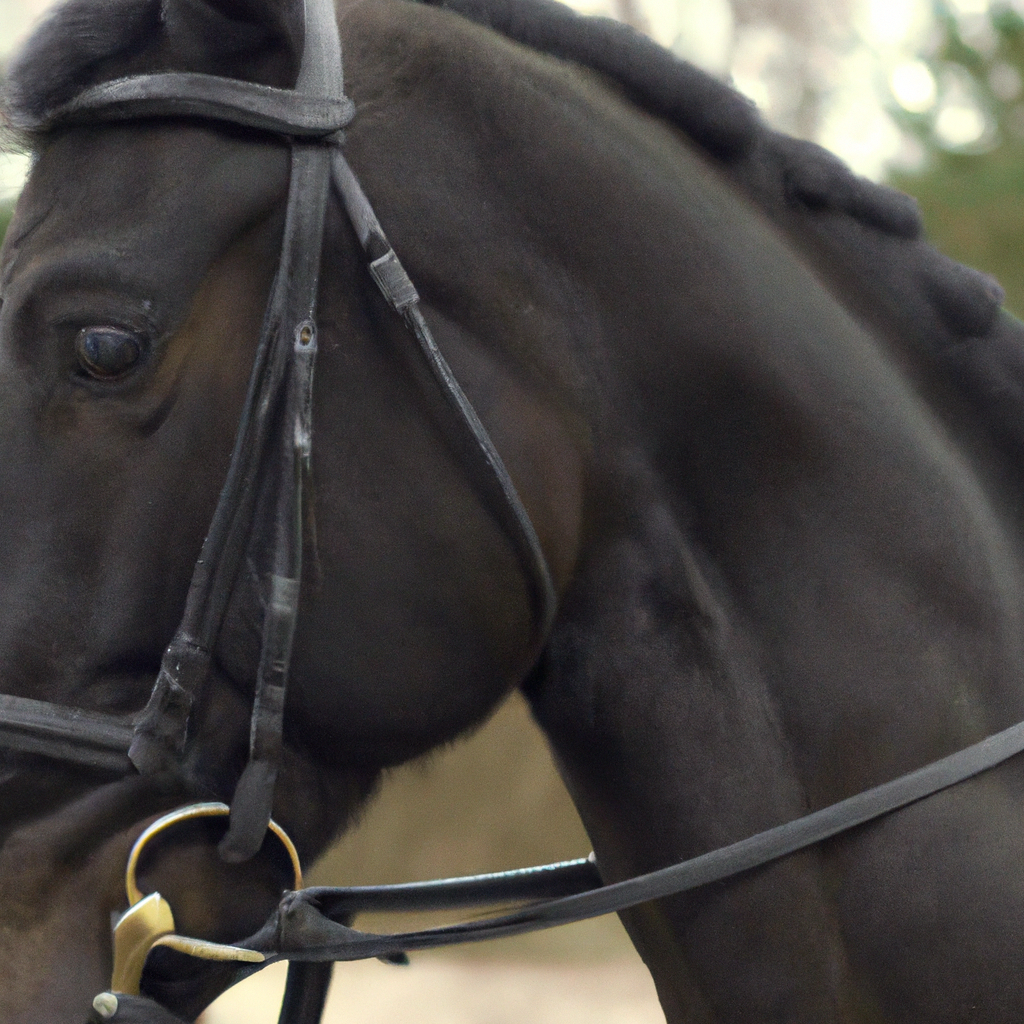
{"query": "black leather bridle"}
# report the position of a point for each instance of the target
(311, 927)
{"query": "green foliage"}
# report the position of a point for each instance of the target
(973, 210)
(977, 64)
(6, 211)
(972, 196)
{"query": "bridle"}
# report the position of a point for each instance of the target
(265, 481)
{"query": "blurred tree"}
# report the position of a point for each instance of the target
(788, 54)
(960, 100)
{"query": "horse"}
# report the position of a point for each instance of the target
(769, 440)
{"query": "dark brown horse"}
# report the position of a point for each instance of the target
(770, 441)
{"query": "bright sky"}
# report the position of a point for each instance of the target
(16, 19)
(879, 54)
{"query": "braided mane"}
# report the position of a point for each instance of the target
(873, 233)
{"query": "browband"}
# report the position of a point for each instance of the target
(186, 94)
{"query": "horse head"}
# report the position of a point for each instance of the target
(766, 443)
(136, 272)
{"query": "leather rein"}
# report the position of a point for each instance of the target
(311, 927)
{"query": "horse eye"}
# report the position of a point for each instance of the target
(107, 352)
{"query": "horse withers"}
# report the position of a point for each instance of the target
(768, 440)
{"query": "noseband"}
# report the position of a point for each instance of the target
(311, 928)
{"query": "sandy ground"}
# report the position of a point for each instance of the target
(449, 991)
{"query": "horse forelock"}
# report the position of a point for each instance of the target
(83, 42)
(71, 44)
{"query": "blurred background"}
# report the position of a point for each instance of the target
(924, 94)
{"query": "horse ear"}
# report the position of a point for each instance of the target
(229, 32)
(82, 42)
(68, 50)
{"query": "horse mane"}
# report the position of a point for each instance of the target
(873, 231)
(718, 118)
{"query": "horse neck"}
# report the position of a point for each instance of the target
(692, 337)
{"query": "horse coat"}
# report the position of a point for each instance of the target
(768, 438)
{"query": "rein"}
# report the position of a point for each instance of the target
(311, 927)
